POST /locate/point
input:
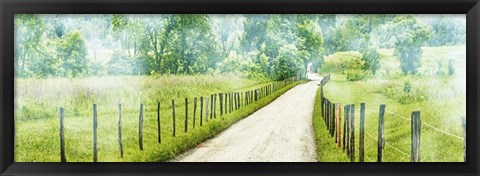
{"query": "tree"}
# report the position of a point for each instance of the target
(353, 30)
(310, 43)
(446, 30)
(370, 56)
(29, 30)
(411, 34)
(196, 44)
(227, 29)
(73, 52)
(255, 32)
(288, 62)
(120, 64)
(328, 24)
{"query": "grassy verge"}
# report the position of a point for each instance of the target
(37, 139)
(327, 150)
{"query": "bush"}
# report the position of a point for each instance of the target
(353, 67)
(355, 75)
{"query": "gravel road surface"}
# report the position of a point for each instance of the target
(279, 132)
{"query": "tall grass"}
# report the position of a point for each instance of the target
(37, 115)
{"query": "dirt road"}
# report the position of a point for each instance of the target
(279, 132)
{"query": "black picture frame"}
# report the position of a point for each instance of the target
(10, 7)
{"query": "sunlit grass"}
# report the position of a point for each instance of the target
(37, 139)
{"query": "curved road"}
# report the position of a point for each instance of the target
(282, 131)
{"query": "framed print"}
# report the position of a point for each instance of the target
(239, 87)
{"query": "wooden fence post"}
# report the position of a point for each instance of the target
(361, 151)
(62, 136)
(120, 129)
(173, 116)
(186, 114)
(352, 131)
(215, 106)
(238, 100)
(328, 114)
(159, 126)
(221, 103)
(346, 129)
(211, 106)
(206, 109)
(140, 128)
(94, 132)
(201, 111)
(333, 122)
(194, 110)
(230, 97)
(339, 122)
(416, 131)
(381, 141)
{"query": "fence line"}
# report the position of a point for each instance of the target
(235, 102)
(365, 155)
(348, 125)
(388, 144)
(398, 150)
(428, 125)
(423, 123)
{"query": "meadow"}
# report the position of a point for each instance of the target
(37, 116)
(439, 96)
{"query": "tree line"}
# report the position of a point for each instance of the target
(262, 46)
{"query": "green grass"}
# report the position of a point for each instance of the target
(327, 149)
(442, 107)
(37, 116)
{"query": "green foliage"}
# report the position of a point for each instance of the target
(353, 67)
(407, 95)
(446, 31)
(288, 63)
(29, 30)
(410, 37)
(370, 56)
(201, 44)
(348, 37)
(120, 64)
(73, 52)
(328, 24)
(310, 43)
(407, 87)
(355, 74)
(255, 29)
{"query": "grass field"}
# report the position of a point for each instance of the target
(440, 99)
(37, 115)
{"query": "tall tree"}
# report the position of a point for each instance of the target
(29, 30)
(73, 51)
(411, 34)
(310, 43)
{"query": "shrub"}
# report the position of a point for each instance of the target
(355, 74)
